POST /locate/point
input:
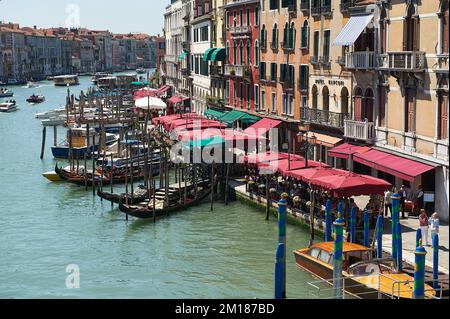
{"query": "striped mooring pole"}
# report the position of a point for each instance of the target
(337, 265)
(395, 220)
(419, 273)
(380, 236)
(353, 225)
(399, 247)
(328, 221)
(418, 237)
(279, 271)
(340, 210)
(282, 206)
(435, 240)
(366, 228)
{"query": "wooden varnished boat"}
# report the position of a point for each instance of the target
(139, 195)
(365, 277)
(145, 209)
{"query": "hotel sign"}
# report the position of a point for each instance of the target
(330, 82)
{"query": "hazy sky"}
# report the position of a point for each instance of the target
(119, 16)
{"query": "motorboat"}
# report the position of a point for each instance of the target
(32, 85)
(6, 93)
(7, 107)
(51, 113)
(64, 80)
(36, 99)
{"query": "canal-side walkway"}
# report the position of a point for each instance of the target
(409, 227)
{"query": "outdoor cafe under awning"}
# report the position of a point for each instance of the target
(353, 29)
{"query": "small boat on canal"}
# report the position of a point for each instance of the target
(64, 80)
(364, 277)
(6, 93)
(36, 99)
(7, 107)
(139, 195)
(144, 209)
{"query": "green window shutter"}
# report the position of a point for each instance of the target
(285, 36)
(316, 43)
(326, 45)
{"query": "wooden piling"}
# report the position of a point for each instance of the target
(227, 176)
(55, 135)
(212, 186)
(85, 172)
(111, 175)
(268, 199)
(44, 133)
(311, 216)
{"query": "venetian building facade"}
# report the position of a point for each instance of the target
(173, 27)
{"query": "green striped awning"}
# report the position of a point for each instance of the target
(218, 55)
(208, 53)
(182, 55)
(210, 141)
(214, 114)
(234, 116)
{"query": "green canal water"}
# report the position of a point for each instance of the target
(45, 226)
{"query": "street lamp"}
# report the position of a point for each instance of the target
(310, 140)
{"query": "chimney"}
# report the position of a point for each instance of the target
(34, 27)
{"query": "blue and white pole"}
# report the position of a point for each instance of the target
(419, 273)
(395, 221)
(328, 221)
(279, 271)
(380, 237)
(338, 253)
(366, 228)
(282, 207)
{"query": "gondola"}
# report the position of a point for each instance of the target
(36, 99)
(145, 210)
(139, 195)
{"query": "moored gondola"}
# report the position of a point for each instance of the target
(139, 195)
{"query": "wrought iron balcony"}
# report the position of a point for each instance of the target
(442, 63)
(405, 61)
(358, 130)
(240, 30)
(361, 60)
(325, 60)
(322, 117)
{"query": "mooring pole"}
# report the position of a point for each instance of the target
(44, 133)
(328, 221)
(380, 236)
(227, 176)
(418, 237)
(55, 135)
(399, 248)
(268, 200)
(395, 221)
(85, 172)
(93, 165)
(366, 228)
(337, 265)
(111, 176)
(353, 225)
(419, 273)
(280, 260)
(282, 207)
(435, 241)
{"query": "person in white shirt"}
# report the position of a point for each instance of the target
(387, 202)
(434, 224)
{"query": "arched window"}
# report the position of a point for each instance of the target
(358, 96)
(344, 101)
(292, 35)
(443, 19)
(234, 53)
(274, 44)
(368, 105)
(249, 50)
(304, 41)
(263, 36)
(256, 52)
(411, 30)
(315, 94)
(286, 36)
(325, 98)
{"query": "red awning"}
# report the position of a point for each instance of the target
(395, 165)
(307, 175)
(345, 150)
(258, 158)
(262, 127)
(163, 89)
(174, 100)
(283, 167)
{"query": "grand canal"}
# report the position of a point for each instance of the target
(45, 226)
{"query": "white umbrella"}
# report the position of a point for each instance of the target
(150, 102)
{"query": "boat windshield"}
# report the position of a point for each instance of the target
(365, 269)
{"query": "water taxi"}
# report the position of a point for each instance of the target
(64, 80)
(364, 277)
(99, 75)
(108, 82)
(36, 98)
(52, 176)
(7, 107)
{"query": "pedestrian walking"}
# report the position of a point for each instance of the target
(423, 223)
(387, 202)
(434, 225)
(402, 199)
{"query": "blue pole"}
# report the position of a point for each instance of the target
(418, 237)
(380, 236)
(282, 206)
(340, 210)
(419, 273)
(328, 221)
(353, 225)
(395, 220)
(338, 250)
(399, 247)
(279, 271)
(366, 228)
(435, 240)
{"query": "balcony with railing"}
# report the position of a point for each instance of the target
(345, 5)
(315, 11)
(242, 71)
(304, 5)
(322, 117)
(314, 60)
(238, 30)
(365, 60)
(216, 71)
(215, 101)
(325, 9)
(404, 61)
(358, 130)
(442, 63)
(325, 60)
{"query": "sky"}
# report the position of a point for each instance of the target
(117, 16)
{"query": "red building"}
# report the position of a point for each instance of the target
(243, 54)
